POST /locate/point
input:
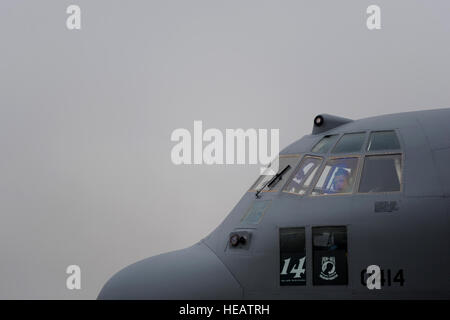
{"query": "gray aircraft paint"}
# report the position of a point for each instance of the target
(413, 237)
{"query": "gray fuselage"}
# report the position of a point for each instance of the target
(406, 230)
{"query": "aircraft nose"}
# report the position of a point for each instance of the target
(194, 273)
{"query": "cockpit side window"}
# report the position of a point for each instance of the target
(338, 176)
(383, 140)
(325, 144)
(350, 142)
(381, 174)
(272, 182)
(303, 176)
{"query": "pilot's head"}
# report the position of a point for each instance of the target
(341, 181)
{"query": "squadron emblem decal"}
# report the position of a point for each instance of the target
(328, 268)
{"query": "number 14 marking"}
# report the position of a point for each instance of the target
(297, 270)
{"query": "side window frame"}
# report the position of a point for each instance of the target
(399, 150)
(367, 153)
(382, 154)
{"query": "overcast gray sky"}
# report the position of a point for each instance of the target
(86, 116)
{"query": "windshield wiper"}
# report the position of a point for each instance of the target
(274, 180)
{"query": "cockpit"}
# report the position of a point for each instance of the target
(339, 164)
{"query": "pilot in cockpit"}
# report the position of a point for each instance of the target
(341, 182)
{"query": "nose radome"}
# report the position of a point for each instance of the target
(194, 273)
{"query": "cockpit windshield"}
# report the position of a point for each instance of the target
(338, 176)
(372, 164)
(304, 175)
(270, 180)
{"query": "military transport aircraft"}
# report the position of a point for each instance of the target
(359, 209)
